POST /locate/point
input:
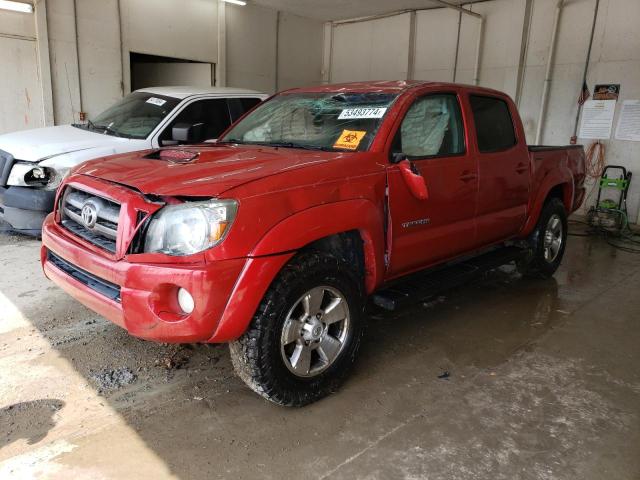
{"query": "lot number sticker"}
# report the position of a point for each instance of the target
(349, 139)
(356, 113)
(156, 101)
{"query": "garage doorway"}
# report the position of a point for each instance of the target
(156, 71)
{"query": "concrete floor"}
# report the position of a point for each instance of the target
(544, 383)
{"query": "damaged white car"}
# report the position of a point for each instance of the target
(34, 162)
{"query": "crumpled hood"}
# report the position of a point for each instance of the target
(215, 170)
(42, 143)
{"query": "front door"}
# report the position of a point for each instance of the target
(424, 232)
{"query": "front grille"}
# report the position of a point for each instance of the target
(6, 162)
(90, 217)
(97, 284)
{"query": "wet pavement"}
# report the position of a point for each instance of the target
(505, 378)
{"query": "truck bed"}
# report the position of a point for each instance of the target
(569, 160)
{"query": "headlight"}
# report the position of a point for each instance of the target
(30, 175)
(189, 227)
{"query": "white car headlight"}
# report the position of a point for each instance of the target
(34, 175)
(190, 227)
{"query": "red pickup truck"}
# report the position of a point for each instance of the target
(273, 238)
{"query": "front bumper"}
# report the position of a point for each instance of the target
(147, 302)
(24, 208)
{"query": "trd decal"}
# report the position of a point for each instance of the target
(415, 223)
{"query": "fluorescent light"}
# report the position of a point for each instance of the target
(16, 6)
(236, 2)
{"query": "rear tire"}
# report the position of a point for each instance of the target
(547, 242)
(305, 335)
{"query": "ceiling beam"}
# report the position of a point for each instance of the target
(458, 8)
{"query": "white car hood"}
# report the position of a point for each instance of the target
(42, 143)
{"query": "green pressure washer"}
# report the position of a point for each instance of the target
(611, 214)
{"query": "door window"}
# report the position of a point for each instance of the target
(494, 126)
(432, 127)
(214, 113)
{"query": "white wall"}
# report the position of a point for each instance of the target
(435, 46)
(17, 24)
(271, 51)
(299, 51)
(374, 50)
(500, 44)
(21, 97)
(99, 54)
(615, 58)
(63, 55)
(187, 29)
(184, 29)
(22, 108)
(251, 47)
(90, 69)
(379, 49)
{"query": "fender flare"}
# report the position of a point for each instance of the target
(304, 227)
(549, 182)
(251, 286)
(279, 245)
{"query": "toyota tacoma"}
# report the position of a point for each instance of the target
(273, 238)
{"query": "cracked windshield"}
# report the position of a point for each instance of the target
(314, 121)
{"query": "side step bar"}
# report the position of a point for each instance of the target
(421, 285)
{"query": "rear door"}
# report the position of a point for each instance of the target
(503, 169)
(423, 232)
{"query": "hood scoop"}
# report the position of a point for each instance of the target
(173, 155)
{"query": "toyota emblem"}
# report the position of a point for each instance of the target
(89, 215)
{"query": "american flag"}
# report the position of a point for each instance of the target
(584, 94)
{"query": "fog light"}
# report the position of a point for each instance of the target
(185, 300)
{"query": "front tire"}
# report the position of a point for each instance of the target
(304, 337)
(547, 242)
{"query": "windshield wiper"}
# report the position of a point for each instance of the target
(295, 145)
(104, 128)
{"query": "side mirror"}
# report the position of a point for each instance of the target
(188, 133)
(414, 181)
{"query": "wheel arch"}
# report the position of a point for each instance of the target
(333, 227)
(351, 229)
(562, 189)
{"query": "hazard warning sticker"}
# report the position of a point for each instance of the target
(349, 139)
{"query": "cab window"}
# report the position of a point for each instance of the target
(214, 113)
(494, 126)
(432, 127)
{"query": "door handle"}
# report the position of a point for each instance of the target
(521, 168)
(468, 176)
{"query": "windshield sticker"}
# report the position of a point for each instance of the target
(349, 139)
(357, 113)
(156, 101)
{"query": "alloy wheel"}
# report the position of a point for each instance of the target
(315, 331)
